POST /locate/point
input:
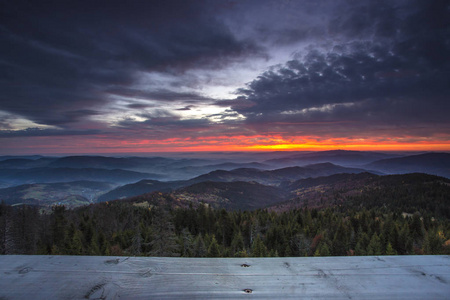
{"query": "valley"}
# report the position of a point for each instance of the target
(291, 177)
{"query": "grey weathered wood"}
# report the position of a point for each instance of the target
(90, 277)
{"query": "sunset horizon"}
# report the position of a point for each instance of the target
(161, 147)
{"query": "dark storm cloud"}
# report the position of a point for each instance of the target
(391, 65)
(162, 95)
(61, 57)
(138, 106)
(237, 104)
(35, 132)
(369, 19)
(186, 108)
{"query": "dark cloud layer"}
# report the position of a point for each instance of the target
(34, 132)
(395, 72)
(59, 57)
(158, 94)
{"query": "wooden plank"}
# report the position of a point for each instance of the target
(90, 277)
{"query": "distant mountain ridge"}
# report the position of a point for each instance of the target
(339, 157)
(166, 168)
(264, 177)
(274, 177)
(430, 163)
(409, 192)
(70, 194)
(133, 176)
(30, 157)
(49, 175)
(24, 163)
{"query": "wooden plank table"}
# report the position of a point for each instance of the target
(94, 277)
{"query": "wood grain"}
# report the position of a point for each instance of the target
(93, 277)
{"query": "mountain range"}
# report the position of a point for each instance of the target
(263, 177)
(71, 194)
(408, 192)
(430, 163)
(49, 180)
(339, 157)
(49, 175)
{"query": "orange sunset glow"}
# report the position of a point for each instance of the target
(224, 143)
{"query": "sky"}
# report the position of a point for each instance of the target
(172, 76)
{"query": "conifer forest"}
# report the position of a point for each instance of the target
(390, 222)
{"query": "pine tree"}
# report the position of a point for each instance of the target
(199, 247)
(58, 225)
(390, 250)
(433, 242)
(287, 251)
(76, 247)
(416, 227)
(374, 247)
(94, 248)
(187, 243)
(258, 248)
(322, 250)
(213, 250)
(7, 230)
(237, 245)
(404, 241)
(164, 240)
(340, 241)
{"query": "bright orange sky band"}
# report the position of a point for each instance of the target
(88, 145)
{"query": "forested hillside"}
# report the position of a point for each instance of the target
(397, 215)
(408, 192)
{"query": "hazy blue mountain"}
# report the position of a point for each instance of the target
(47, 175)
(140, 175)
(227, 166)
(70, 194)
(32, 157)
(183, 173)
(147, 186)
(132, 162)
(171, 168)
(25, 163)
(430, 163)
(99, 162)
(340, 157)
(273, 177)
(264, 177)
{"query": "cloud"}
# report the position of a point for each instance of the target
(36, 132)
(186, 108)
(138, 106)
(158, 94)
(61, 57)
(236, 104)
(394, 79)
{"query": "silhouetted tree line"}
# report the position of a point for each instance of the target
(125, 228)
